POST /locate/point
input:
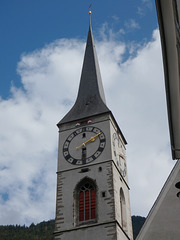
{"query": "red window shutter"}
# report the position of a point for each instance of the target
(87, 205)
(81, 206)
(93, 204)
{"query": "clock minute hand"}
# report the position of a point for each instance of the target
(92, 139)
(122, 155)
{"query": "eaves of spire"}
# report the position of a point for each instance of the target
(91, 99)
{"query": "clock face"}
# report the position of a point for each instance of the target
(119, 154)
(84, 145)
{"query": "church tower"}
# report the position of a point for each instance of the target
(92, 184)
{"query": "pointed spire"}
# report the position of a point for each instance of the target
(91, 99)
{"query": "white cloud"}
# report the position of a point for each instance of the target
(141, 113)
(107, 32)
(132, 24)
(28, 135)
(140, 11)
(148, 3)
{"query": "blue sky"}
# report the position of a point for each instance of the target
(29, 25)
(42, 47)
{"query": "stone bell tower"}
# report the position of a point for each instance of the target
(92, 183)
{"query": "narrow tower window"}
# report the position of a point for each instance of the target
(123, 210)
(83, 152)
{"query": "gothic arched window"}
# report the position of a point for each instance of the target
(86, 201)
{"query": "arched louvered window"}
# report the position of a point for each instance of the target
(87, 202)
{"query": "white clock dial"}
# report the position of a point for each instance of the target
(119, 154)
(84, 145)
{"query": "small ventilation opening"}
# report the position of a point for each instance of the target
(103, 194)
(100, 169)
(84, 170)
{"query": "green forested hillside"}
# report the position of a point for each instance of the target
(137, 223)
(44, 230)
(41, 231)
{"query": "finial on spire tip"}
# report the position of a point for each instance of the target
(89, 15)
(90, 9)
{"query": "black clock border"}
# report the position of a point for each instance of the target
(75, 133)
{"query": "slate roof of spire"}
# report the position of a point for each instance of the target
(91, 99)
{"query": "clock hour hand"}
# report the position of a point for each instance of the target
(92, 139)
